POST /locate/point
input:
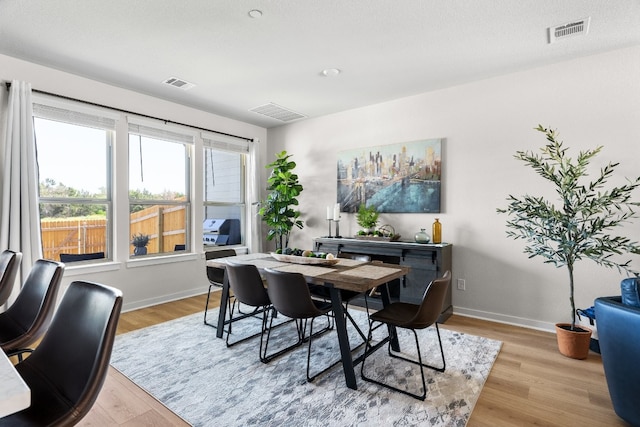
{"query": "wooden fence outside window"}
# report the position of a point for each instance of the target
(165, 226)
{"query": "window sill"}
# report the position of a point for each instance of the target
(160, 259)
(78, 270)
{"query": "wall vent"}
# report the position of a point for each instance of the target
(570, 29)
(179, 83)
(277, 112)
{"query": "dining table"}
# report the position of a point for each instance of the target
(15, 395)
(347, 274)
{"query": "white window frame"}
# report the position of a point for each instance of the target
(77, 113)
(173, 134)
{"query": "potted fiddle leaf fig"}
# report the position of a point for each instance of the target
(577, 225)
(278, 210)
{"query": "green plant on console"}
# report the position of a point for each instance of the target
(278, 210)
(577, 226)
(367, 218)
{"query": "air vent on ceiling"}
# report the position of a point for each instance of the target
(570, 29)
(277, 112)
(179, 83)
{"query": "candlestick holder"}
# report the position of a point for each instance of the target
(329, 220)
(337, 221)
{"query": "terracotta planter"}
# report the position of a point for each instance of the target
(574, 344)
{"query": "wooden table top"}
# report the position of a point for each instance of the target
(348, 274)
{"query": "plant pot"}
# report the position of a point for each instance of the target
(573, 344)
(140, 250)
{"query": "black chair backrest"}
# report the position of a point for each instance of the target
(219, 254)
(246, 284)
(9, 266)
(289, 294)
(432, 302)
(182, 247)
(28, 318)
(73, 357)
(81, 257)
(214, 274)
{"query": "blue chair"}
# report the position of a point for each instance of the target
(618, 321)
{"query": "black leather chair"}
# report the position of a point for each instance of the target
(215, 276)
(9, 267)
(246, 284)
(290, 296)
(67, 370)
(81, 257)
(412, 317)
(28, 318)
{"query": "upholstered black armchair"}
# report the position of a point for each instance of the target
(618, 321)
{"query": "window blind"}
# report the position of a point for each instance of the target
(157, 133)
(226, 143)
(71, 116)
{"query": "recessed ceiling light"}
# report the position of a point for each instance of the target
(330, 72)
(255, 13)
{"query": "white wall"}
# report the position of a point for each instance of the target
(143, 282)
(591, 101)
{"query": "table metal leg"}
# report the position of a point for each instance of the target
(343, 338)
(224, 303)
(386, 300)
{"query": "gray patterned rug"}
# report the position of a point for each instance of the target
(194, 374)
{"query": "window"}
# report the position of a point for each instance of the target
(74, 163)
(224, 195)
(159, 193)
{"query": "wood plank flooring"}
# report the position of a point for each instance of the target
(530, 384)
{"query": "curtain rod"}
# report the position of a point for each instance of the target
(68, 98)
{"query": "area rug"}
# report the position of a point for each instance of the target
(193, 373)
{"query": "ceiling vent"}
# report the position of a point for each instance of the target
(277, 112)
(179, 83)
(570, 29)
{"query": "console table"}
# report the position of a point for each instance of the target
(426, 262)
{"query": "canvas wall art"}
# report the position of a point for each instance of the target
(395, 178)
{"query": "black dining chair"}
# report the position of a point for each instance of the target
(248, 288)
(28, 318)
(67, 370)
(290, 296)
(66, 258)
(215, 276)
(412, 317)
(9, 267)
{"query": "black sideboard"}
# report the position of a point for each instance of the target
(427, 262)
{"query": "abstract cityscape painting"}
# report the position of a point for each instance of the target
(395, 178)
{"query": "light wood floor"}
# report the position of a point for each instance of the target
(530, 384)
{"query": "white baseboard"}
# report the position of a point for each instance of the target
(164, 299)
(509, 320)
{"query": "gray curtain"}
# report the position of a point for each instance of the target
(19, 214)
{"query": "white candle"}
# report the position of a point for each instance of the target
(329, 213)
(336, 212)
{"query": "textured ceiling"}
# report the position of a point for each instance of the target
(386, 49)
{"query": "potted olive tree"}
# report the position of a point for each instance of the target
(576, 226)
(278, 210)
